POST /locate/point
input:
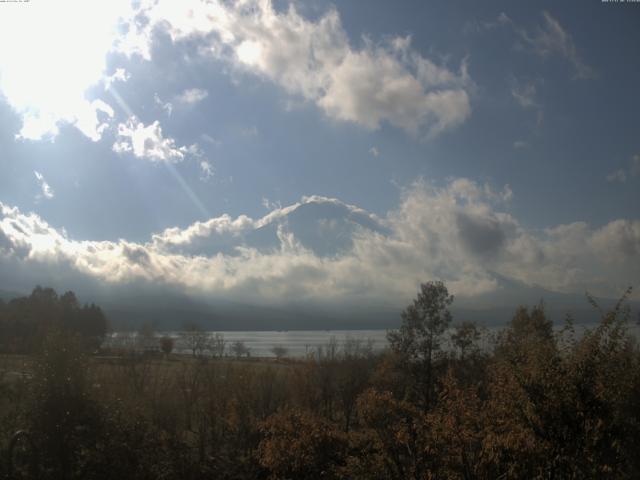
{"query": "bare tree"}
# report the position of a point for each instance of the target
(329, 351)
(217, 345)
(240, 349)
(146, 338)
(194, 338)
(279, 351)
(357, 347)
(166, 344)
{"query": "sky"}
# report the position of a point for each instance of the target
(272, 151)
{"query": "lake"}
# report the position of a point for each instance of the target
(300, 343)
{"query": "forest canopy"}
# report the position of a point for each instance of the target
(24, 320)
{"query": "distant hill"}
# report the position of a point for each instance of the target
(497, 307)
(169, 312)
(7, 295)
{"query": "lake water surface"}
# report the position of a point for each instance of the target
(299, 343)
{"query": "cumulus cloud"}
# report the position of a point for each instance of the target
(385, 82)
(45, 189)
(177, 239)
(459, 233)
(148, 142)
(94, 118)
(192, 96)
(120, 75)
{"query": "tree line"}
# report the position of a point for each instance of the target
(25, 320)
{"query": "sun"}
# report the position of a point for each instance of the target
(52, 53)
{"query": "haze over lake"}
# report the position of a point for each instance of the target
(300, 343)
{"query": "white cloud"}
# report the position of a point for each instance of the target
(211, 140)
(45, 189)
(374, 151)
(475, 26)
(249, 131)
(387, 82)
(551, 38)
(223, 225)
(192, 96)
(149, 143)
(620, 239)
(621, 175)
(524, 94)
(94, 118)
(120, 75)
(166, 106)
(271, 205)
(520, 144)
(459, 233)
(207, 170)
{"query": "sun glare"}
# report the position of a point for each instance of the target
(52, 53)
(249, 52)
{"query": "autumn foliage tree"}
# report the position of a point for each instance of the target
(568, 406)
(299, 444)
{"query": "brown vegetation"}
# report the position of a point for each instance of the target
(537, 404)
